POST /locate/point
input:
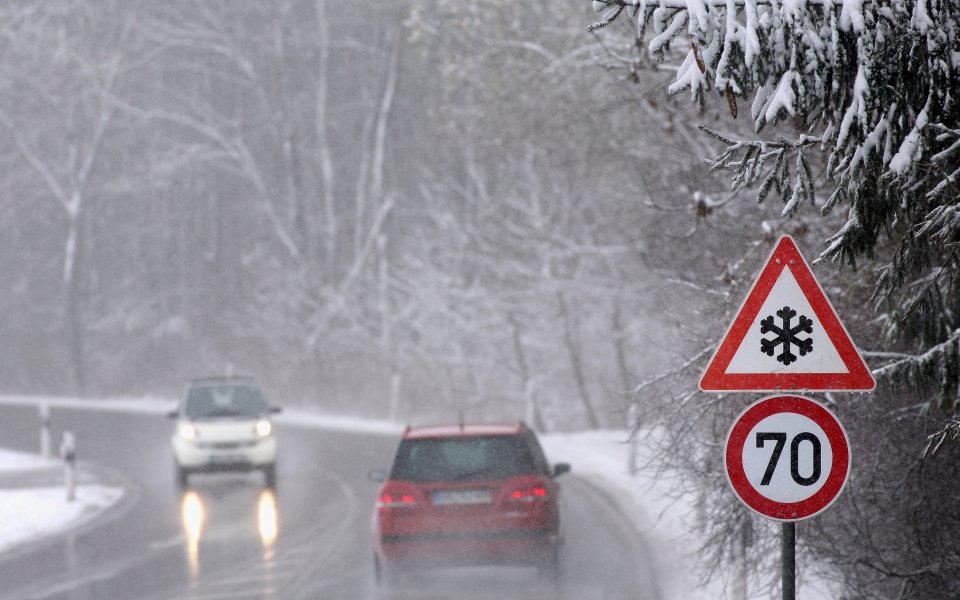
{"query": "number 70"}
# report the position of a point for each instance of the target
(781, 441)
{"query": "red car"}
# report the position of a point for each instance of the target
(468, 494)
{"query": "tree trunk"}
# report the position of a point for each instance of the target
(531, 406)
(572, 344)
(619, 346)
(324, 154)
(73, 313)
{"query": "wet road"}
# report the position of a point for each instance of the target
(229, 537)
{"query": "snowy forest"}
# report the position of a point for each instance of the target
(415, 208)
(355, 207)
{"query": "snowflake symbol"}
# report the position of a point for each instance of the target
(786, 335)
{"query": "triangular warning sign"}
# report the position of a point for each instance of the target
(786, 336)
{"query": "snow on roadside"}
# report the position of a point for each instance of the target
(667, 522)
(161, 406)
(601, 457)
(12, 461)
(30, 513)
(148, 404)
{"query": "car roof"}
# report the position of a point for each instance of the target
(203, 381)
(463, 430)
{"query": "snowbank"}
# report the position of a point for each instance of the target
(601, 457)
(666, 521)
(31, 513)
(13, 462)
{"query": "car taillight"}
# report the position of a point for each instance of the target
(396, 501)
(531, 494)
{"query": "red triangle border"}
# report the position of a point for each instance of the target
(786, 255)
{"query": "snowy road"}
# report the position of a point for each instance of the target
(229, 538)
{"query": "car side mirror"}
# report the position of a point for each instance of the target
(173, 414)
(561, 468)
(377, 475)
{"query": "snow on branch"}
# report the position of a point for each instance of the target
(601, 5)
(939, 365)
(873, 84)
(949, 431)
(748, 160)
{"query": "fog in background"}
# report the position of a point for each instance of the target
(401, 209)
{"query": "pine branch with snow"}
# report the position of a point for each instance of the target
(870, 89)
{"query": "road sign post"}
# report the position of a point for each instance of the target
(788, 552)
(787, 458)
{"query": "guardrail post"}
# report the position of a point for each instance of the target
(44, 430)
(68, 452)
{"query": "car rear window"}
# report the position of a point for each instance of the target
(474, 458)
(214, 401)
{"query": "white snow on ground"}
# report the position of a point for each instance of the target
(12, 461)
(665, 522)
(32, 513)
(27, 514)
(601, 458)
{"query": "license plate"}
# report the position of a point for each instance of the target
(475, 496)
(221, 459)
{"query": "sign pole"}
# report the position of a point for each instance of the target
(787, 458)
(788, 547)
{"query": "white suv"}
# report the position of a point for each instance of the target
(223, 424)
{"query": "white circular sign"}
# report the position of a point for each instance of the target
(787, 457)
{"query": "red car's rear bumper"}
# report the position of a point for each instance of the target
(519, 546)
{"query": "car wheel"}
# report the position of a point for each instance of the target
(183, 476)
(548, 569)
(270, 475)
(385, 574)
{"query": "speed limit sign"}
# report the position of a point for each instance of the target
(787, 457)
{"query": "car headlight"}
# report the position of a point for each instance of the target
(264, 428)
(187, 431)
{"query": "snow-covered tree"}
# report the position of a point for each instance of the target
(865, 96)
(856, 132)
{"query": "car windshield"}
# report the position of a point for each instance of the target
(476, 458)
(228, 400)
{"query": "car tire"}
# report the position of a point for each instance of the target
(549, 568)
(270, 475)
(385, 574)
(183, 477)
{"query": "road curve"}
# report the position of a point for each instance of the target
(229, 538)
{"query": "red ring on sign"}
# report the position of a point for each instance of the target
(839, 446)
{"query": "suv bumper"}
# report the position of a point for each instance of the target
(507, 547)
